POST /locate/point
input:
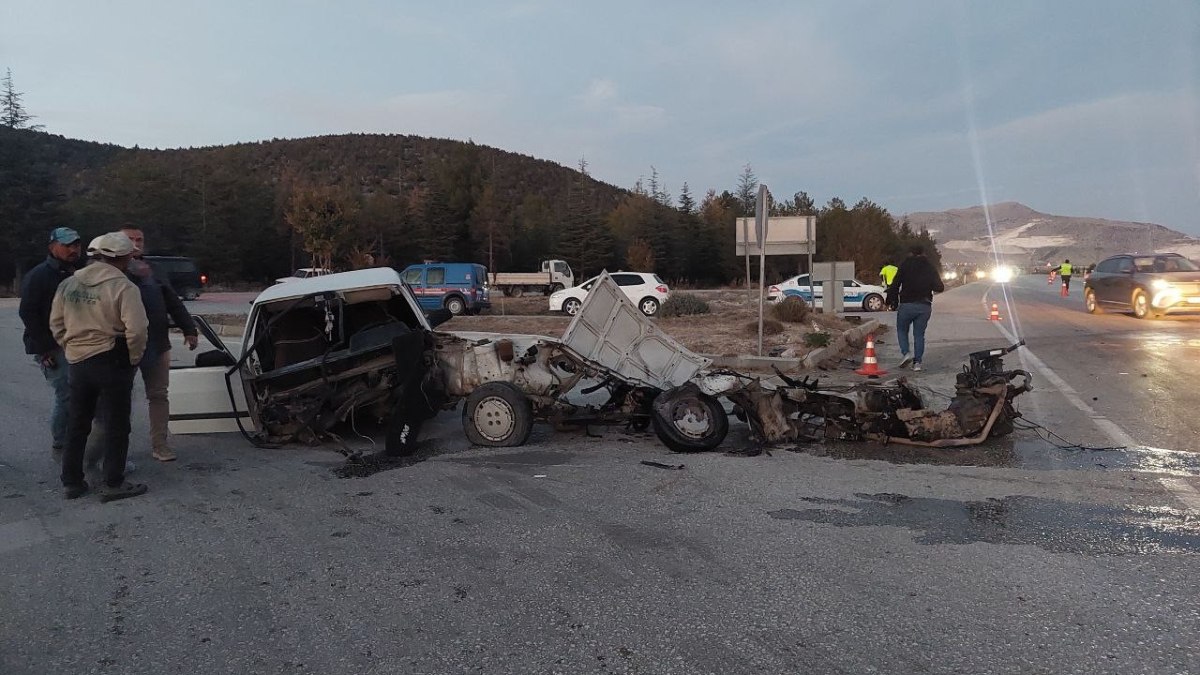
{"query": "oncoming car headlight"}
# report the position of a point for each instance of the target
(1002, 274)
(1160, 285)
(950, 276)
(980, 274)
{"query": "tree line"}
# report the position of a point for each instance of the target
(251, 212)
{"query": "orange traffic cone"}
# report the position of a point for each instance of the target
(870, 366)
(995, 315)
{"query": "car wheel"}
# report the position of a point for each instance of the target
(1141, 305)
(571, 306)
(873, 303)
(554, 288)
(191, 294)
(649, 306)
(1089, 301)
(688, 420)
(516, 291)
(497, 415)
(456, 306)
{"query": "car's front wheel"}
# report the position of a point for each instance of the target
(1090, 302)
(571, 306)
(1141, 305)
(649, 306)
(456, 305)
(497, 415)
(873, 303)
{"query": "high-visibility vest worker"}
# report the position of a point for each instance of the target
(888, 273)
(1064, 270)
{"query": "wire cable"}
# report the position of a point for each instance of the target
(1061, 443)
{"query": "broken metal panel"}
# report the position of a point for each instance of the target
(610, 331)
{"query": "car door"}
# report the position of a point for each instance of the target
(200, 395)
(852, 293)
(1120, 283)
(415, 278)
(801, 289)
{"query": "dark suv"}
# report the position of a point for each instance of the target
(180, 272)
(1147, 285)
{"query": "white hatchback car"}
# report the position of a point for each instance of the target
(854, 293)
(643, 289)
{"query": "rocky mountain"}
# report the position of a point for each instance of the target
(1022, 236)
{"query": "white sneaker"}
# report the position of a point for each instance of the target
(916, 365)
(905, 362)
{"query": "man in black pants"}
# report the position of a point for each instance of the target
(98, 318)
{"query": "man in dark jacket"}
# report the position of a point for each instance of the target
(161, 301)
(911, 293)
(37, 295)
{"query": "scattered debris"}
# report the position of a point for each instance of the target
(660, 465)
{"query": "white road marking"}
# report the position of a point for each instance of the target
(1180, 489)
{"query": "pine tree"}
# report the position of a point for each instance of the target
(687, 205)
(747, 191)
(12, 111)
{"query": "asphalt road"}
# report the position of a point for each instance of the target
(569, 556)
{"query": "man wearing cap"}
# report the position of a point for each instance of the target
(37, 294)
(98, 317)
(160, 301)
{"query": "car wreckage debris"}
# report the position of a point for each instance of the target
(358, 342)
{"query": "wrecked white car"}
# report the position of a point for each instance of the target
(322, 351)
(317, 352)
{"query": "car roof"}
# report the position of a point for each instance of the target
(341, 281)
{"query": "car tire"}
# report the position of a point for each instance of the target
(873, 303)
(497, 415)
(554, 288)
(516, 291)
(571, 306)
(688, 420)
(649, 306)
(456, 305)
(1090, 303)
(1141, 305)
(191, 294)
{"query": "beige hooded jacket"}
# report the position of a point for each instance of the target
(95, 307)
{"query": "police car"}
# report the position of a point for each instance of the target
(854, 293)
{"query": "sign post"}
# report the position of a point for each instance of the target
(761, 212)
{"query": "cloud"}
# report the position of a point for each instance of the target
(599, 92)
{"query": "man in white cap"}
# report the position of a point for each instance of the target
(98, 318)
(37, 294)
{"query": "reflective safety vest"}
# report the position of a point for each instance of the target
(888, 273)
(1064, 269)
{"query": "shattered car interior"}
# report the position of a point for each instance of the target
(357, 344)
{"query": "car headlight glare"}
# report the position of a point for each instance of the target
(1160, 285)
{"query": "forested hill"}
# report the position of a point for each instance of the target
(253, 211)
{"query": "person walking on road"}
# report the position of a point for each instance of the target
(37, 295)
(1064, 272)
(912, 296)
(888, 274)
(160, 300)
(98, 318)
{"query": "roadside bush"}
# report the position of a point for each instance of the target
(791, 309)
(683, 304)
(770, 327)
(817, 339)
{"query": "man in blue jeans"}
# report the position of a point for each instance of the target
(37, 294)
(911, 293)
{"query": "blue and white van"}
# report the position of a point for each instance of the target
(461, 288)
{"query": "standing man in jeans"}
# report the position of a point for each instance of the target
(98, 318)
(911, 293)
(37, 294)
(160, 301)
